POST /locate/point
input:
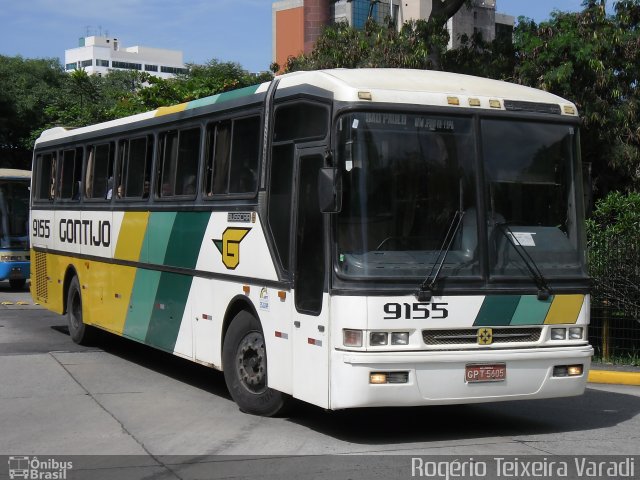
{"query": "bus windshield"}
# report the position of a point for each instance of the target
(534, 197)
(406, 178)
(14, 214)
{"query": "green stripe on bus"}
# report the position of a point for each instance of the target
(185, 241)
(170, 302)
(497, 310)
(157, 237)
(531, 311)
(141, 304)
(222, 97)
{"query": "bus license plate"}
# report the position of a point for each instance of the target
(496, 372)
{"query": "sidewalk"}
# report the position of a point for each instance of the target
(614, 374)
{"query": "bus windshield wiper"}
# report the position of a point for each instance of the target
(543, 288)
(425, 292)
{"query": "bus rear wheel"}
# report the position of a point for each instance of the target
(244, 360)
(80, 333)
(17, 283)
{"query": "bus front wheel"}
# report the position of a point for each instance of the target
(79, 332)
(244, 360)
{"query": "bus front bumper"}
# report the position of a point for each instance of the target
(438, 378)
(14, 270)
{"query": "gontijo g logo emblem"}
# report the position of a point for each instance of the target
(229, 246)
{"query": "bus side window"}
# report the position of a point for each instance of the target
(180, 157)
(70, 174)
(218, 161)
(99, 171)
(135, 168)
(245, 152)
(233, 156)
(45, 176)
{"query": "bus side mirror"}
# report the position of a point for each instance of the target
(330, 190)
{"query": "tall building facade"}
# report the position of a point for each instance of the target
(298, 23)
(98, 55)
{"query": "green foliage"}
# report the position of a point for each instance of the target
(26, 88)
(615, 216)
(38, 94)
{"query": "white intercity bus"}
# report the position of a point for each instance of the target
(349, 238)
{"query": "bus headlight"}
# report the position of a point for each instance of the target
(378, 338)
(352, 338)
(558, 333)
(575, 333)
(400, 338)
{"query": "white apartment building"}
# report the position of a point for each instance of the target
(98, 55)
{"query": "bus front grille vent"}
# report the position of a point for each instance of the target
(470, 336)
(42, 290)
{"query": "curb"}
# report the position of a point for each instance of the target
(616, 378)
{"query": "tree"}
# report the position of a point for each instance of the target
(26, 88)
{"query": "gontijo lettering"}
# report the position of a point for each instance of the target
(85, 232)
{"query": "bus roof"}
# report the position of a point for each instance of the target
(374, 85)
(422, 87)
(14, 173)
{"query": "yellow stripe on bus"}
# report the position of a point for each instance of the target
(564, 309)
(172, 109)
(117, 297)
(134, 226)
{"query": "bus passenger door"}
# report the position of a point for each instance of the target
(310, 318)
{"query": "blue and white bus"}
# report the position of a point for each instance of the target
(14, 226)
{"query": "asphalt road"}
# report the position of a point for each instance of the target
(176, 419)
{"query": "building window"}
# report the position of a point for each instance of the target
(102, 63)
(127, 65)
(379, 12)
(174, 70)
(86, 63)
(71, 66)
(151, 68)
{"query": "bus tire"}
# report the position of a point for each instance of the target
(244, 361)
(80, 333)
(17, 283)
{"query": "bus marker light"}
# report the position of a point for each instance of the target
(282, 295)
(558, 333)
(364, 95)
(377, 378)
(352, 338)
(378, 338)
(453, 100)
(474, 102)
(282, 335)
(400, 338)
(569, 110)
(206, 317)
(313, 341)
(246, 289)
(494, 103)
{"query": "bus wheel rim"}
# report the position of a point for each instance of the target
(251, 363)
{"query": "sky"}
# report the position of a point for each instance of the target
(227, 30)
